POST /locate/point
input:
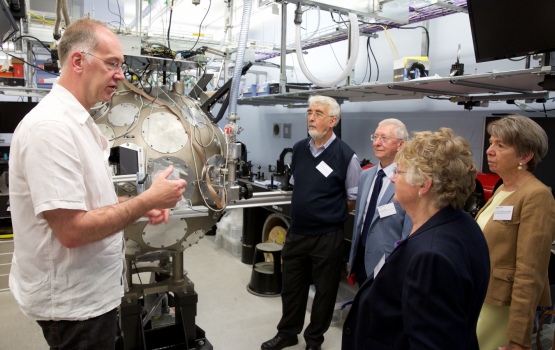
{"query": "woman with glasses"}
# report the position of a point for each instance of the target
(428, 293)
(519, 225)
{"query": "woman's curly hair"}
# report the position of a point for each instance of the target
(446, 159)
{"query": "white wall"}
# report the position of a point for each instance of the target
(361, 118)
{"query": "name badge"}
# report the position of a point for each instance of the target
(503, 213)
(379, 266)
(324, 168)
(386, 210)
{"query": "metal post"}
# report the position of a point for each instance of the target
(283, 53)
(129, 272)
(30, 58)
(177, 266)
(350, 77)
(139, 16)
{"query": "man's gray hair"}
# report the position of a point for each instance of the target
(400, 128)
(334, 110)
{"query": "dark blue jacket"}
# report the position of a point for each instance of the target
(428, 294)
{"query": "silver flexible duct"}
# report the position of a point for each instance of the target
(65, 11)
(234, 92)
(61, 11)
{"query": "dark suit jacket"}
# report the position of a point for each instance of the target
(428, 294)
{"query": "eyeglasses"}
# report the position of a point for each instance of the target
(113, 66)
(397, 172)
(382, 138)
(317, 114)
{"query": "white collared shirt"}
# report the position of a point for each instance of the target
(388, 170)
(58, 160)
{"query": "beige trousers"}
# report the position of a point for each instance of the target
(492, 327)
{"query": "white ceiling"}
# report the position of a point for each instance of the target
(185, 15)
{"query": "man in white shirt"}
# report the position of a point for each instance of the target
(67, 268)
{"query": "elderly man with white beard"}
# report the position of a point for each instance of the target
(325, 175)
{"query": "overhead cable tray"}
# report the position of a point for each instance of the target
(495, 86)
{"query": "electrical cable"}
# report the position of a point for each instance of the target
(134, 124)
(293, 64)
(368, 60)
(170, 24)
(200, 26)
(32, 65)
(317, 26)
(334, 20)
(377, 66)
(32, 37)
(40, 19)
(391, 43)
(7, 37)
(137, 272)
(427, 36)
(119, 15)
(331, 47)
(523, 107)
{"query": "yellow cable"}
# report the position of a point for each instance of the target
(41, 19)
(393, 48)
(6, 236)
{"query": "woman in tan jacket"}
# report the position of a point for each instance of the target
(519, 225)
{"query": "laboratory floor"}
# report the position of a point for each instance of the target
(232, 318)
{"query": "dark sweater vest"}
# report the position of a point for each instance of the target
(319, 203)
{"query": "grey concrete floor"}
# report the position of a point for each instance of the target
(232, 318)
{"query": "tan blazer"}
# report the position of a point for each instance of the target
(519, 253)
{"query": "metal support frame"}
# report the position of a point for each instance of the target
(489, 87)
(283, 49)
(201, 84)
(505, 97)
(449, 6)
(350, 77)
(183, 333)
(423, 91)
(223, 91)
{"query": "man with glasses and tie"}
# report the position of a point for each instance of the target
(325, 175)
(67, 267)
(379, 220)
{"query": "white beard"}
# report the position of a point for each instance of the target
(315, 134)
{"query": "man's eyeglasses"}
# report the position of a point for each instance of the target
(317, 114)
(382, 138)
(113, 66)
(397, 172)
